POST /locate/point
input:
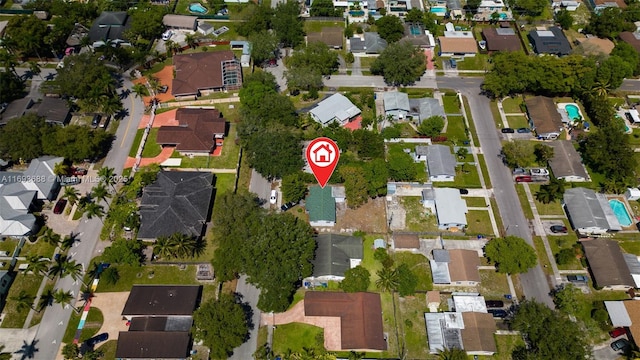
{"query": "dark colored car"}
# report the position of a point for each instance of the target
(97, 339)
(617, 332)
(96, 120)
(523, 130)
(558, 229)
(59, 207)
(638, 226)
(620, 344)
(498, 313)
(508, 131)
(494, 303)
(78, 171)
(288, 205)
(464, 191)
(524, 178)
(577, 278)
(163, 89)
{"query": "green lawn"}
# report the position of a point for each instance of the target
(419, 265)
(493, 285)
(478, 62)
(479, 223)
(472, 126)
(227, 160)
(389, 324)
(316, 26)
(485, 172)
(151, 147)
(366, 61)
(30, 283)
(475, 201)
(30, 248)
(295, 337)
(516, 122)
(162, 274)
(542, 254)
(496, 114)
(136, 143)
(506, 344)
(524, 202)
(558, 243)
(231, 34)
(634, 137)
(418, 217)
(417, 93)
(630, 246)
(109, 349)
(368, 262)
(91, 327)
(512, 105)
(451, 104)
(464, 179)
(412, 319)
(456, 130)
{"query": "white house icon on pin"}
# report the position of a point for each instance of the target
(322, 154)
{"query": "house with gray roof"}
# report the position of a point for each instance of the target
(589, 212)
(54, 110)
(458, 267)
(451, 209)
(321, 206)
(15, 109)
(566, 163)
(421, 153)
(471, 331)
(373, 43)
(177, 202)
(550, 42)
(424, 108)
(611, 268)
(396, 104)
(39, 169)
(336, 107)
(110, 26)
(16, 204)
(441, 165)
(335, 255)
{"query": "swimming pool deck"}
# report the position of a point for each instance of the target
(562, 107)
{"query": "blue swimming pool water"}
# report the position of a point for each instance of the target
(621, 212)
(572, 111)
(415, 30)
(438, 10)
(197, 8)
(502, 16)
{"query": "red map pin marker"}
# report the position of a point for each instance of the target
(322, 156)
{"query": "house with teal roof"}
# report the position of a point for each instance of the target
(321, 206)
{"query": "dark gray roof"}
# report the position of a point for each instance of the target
(15, 109)
(552, 41)
(161, 323)
(153, 345)
(441, 255)
(177, 202)
(426, 108)
(440, 161)
(607, 263)
(454, 5)
(396, 100)
(154, 300)
(373, 43)
(110, 25)
(588, 209)
(53, 110)
(334, 253)
(356, 44)
(422, 150)
(566, 161)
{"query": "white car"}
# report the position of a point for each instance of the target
(274, 197)
(167, 35)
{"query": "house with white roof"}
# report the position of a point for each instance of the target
(449, 207)
(335, 108)
(441, 165)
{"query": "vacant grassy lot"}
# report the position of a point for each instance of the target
(419, 265)
(91, 327)
(493, 285)
(506, 344)
(411, 319)
(456, 130)
(418, 217)
(151, 147)
(14, 317)
(475, 201)
(516, 122)
(478, 62)
(316, 26)
(227, 160)
(296, 336)
(479, 223)
(512, 105)
(151, 274)
(451, 104)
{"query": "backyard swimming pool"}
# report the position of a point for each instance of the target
(415, 30)
(197, 8)
(438, 10)
(573, 111)
(621, 212)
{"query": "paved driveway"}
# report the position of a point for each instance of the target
(111, 305)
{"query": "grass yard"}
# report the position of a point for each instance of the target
(451, 104)
(366, 61)
(558, 243)
(512, 105)
(296, 336)
(368, 262)
(29, 248)
(493, 285)
(485, 172)
(151, 147)
(161, 274)
(411, 313)
(419, 265)
(472, 126)
(389, 324)
(630, 246)
(524, 202)
(506, 344)
(496, 214)
(479, 223)
(634, 137)
(417, 93)
(478, 62)
(37, 316)
(542, 255)
(109, 349)
(517, 122)
(466, 177)
(475, 201)
(406, 130)
(417, 217)
(91, 327)
(136, 143)
(496, 114)
(316, 26)
(231, 34)
(227, 160)
(14, 317)
(456, 130)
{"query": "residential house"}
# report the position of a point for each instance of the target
(6, 280)
(396, 104)
(544, 117)
(245, 58)
(321, 206)
(610, 267)
(110, 28)
(424, 108)
(406, 241)
(78, 33)
(198, 132)
(455, 9)
(360, 317)
(335, 254)
(589, 212)
(501, 39)
(160, 318)
(566, 163)
(448, 206)
(593, 45)
(599, 5)
(433, 300)
(177, 202)
(625, 314)
(490, 6)
(441, 165)
(569, 5)
(330, 36)
(416, 35)
(398, 7)
(43, 168)
(458, 44)
(54, 110)
(631, 38)
(205, 72)
(15, 109)
(335, 108)
(205, 28)
(181, 22)
(471, 331)
(456, 267)
(368, 43)
(551, 41)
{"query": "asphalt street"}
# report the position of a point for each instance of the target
(250, 296)
(260, 186)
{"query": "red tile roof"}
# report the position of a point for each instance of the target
(196, 132)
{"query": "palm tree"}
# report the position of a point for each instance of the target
(545, 195)
(58, 267)
(100, 192)
(73, 269)
(154, 84)
(50, 237)
(34, 68)
(63, 297)
(46, 299)
(353, 355)
(191, 41)
(94, 210)
(111, 105)
(9, 61)
(4, 355)
(452, 354)
(71, 194)
(36, 264)
(601, 88)
(107, 175)
(140, 90)
(61, 168)
(68, 241)
(23, 300)
(163, 247)
(185, 245)
(387, 279)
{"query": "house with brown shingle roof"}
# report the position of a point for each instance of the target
(631, 38)
(360, 317)
(329, 35)
(457, 267)
(477, 335)
(205, 72)
(471, 331)
(457, 46)
(198, 132)
(501, 39)
(610, 267)
(544, 117)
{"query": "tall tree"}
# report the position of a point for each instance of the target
(390, 28)
(511, 254)
(100, 192)
(316, 56)
(452, 354)
(274, 153)
(71, 194)
(401, 165)
(51, 237)
(400, 64)
(518, 153)
(222, 325)
(36, 265)
(287, 24)
(63, 298)
(387, 279)
(355, 184)
(46, 299)
(356, 279)
(26, 33)
(23, 300)
(20, 139)
(294, 187)
(92, 210)
(431, 126)
(264, 47)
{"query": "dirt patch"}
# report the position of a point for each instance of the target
(370, 217)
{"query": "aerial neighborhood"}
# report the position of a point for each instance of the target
(162, 194)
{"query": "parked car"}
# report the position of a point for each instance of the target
(96, 120)
(163, 89)
(620, 344)
(498, 313)
(539, 172)
(78, 171)
(508, 131)
(558, 229)
(288, 205)
(524, 178)
(617, 332)
(638, 226)
(274, 197)
(520, 171)
(97, 339)
(577, 278)
(167, 35)
(70, 180)
(464, 191)
(59, 207)
(524, 130)
(453, 63)
(494, 303)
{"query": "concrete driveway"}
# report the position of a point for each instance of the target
(111, 305)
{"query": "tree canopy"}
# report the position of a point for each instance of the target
(324, 8)
(315, 56)
(390, 28)
(221, 325)
(511, 254)
(431, 126)
(400, 64)
(518, 153)
(287, 23)
(356, 279)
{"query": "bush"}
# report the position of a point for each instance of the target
(601, 316)
(407, 280)
(565, 256)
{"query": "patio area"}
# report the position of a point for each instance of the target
(165, 77)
